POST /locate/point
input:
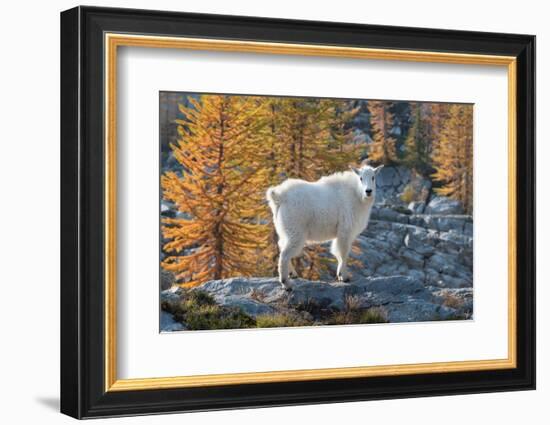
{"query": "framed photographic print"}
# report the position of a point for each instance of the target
(261, 212)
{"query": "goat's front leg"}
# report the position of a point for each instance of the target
(341, 250)
(291, 270)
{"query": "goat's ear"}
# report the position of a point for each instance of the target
(355, 170)
(377, 169)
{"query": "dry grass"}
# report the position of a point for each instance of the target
(408, 194)
(365, 316)
(352, 303)
(354, 313)
(281, 320)
(452, 301)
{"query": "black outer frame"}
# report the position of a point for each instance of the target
(82, 218)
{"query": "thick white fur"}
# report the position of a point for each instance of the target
(336, 207)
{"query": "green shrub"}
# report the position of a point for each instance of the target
(200, 298)
(217, 317)
(199, 311)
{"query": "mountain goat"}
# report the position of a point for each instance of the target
(336, 207)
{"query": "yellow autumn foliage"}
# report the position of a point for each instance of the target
(453, 156)
(382, 150)
(230, 149)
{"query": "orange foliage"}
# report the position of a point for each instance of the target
(220, 191)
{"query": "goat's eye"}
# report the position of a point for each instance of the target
(361, 178)
(373, 179)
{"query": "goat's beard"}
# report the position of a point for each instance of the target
(368, 199)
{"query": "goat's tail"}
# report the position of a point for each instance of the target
(274, 199)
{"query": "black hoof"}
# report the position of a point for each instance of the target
(284, 284)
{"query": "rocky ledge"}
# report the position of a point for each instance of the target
(396, 298)
(414, 262)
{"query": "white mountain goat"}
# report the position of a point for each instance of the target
(336, 207)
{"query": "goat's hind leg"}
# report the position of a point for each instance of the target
(289, 249)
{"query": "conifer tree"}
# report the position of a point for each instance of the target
(340, 151)
(453, 156)
(303, 132)
(382, 149)
(417, 143)
(225, 224)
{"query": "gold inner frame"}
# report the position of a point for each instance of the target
(113, 41)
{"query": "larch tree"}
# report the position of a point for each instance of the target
(382, 149)
(223, 225)
(438, 113)
(453, 156)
